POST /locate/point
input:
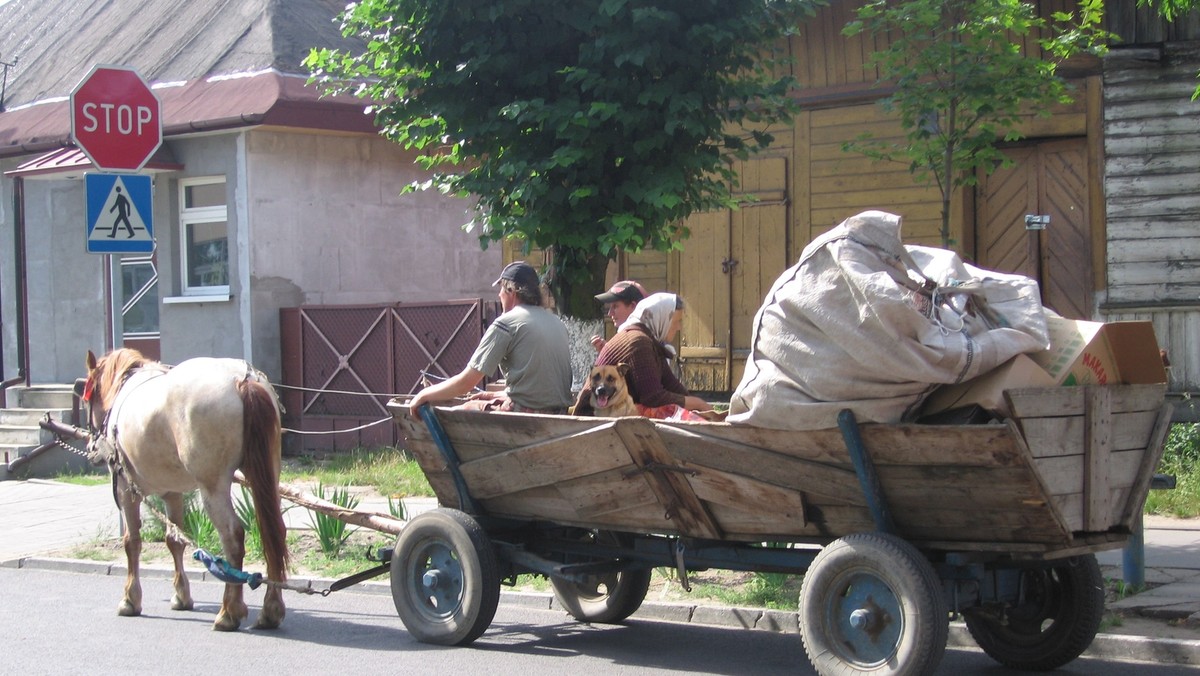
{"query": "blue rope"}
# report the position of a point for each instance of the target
(223, 571)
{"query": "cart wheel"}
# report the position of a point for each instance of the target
(607, 598)
(871, 603)
(445, 578)
(1057, 620)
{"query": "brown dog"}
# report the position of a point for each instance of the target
(607, 394)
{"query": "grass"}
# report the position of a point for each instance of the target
(85, 477)
(391, 471)
(1181, 458)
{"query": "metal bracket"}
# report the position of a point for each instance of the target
(865, 469)
(1037, 221)
(452, 462)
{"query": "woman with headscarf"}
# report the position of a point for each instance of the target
(642, 343)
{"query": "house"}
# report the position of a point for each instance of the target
(265, 195)
(1116, 172)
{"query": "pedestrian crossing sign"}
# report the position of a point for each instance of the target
(119, 216)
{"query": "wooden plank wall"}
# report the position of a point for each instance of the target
(841, 184)
(1153, 205)
(1153, 170)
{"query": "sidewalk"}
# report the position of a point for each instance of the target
(39, 516)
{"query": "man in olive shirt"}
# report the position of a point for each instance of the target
(530, 346)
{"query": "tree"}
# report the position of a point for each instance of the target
(583, 127)
(962, 80)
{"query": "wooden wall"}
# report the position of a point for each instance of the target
(1152, 168)
(1152, 149)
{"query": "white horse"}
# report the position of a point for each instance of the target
(173, 430)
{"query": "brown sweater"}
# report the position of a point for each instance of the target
(651, 382)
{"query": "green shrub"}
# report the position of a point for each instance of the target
(244, 505)
(198, 526)
(332, 533)
(1181, 459)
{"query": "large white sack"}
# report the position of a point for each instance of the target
(866, 323)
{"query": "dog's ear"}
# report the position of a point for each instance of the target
(583, 403)
(623, 369)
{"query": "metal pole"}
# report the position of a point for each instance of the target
(1133, 557)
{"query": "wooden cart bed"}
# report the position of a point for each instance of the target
(1068, 473)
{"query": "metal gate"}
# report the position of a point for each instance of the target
(341, 365)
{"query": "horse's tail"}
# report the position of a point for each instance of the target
(260, 463)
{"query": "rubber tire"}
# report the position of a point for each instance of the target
(603, 599)
(896, 578)
(453, 546)
(1069, 596)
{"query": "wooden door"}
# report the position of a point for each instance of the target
(725, 270)
(1046, 180)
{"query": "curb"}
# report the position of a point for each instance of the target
(1105, 646)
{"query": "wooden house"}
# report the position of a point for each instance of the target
(1116, 171)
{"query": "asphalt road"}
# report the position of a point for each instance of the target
(59, 622)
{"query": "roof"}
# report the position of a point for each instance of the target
(214, 64)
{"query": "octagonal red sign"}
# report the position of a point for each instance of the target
(116, 119)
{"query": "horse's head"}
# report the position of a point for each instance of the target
(105, 376)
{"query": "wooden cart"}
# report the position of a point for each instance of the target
(895, 527)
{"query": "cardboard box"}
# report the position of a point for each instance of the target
(1099, 353)
(987, 391)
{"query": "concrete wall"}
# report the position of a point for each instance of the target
(314, 219)
(330, 227)
(66, 284)
(191, 329)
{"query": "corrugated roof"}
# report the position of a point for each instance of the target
(65, 161)
(213, 63)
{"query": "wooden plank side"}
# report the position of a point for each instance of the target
(475, 434)
(1065, 435)
(1131, 507)
(1039, 478)
(433, 465)
(543, 463)
(1097, 509)
(970, 503)
(759, 501)
(726, 456)
(600, 494)
(824, 524)
(1050, 437)
(981, 445)
(1041, 402)
(649, 452)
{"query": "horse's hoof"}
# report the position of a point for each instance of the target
(226, 623)
(270, 618)
(265, 622)
(127, 609)
(180, 604)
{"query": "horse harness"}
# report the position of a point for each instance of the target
(104, 444)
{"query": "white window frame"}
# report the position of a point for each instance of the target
(198, 215)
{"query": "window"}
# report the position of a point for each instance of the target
(204, 236)
(139, 296)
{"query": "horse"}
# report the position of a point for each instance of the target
(171, 430)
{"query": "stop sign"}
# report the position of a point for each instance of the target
(115, 118)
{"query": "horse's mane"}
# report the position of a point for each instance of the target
(112, 369)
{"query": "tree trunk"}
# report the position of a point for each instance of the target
(578, 278)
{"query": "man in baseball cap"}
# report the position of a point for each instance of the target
(619, 300)
(519, 273)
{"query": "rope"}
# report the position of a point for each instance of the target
(351, 429)
(225, 572)
(320, 391)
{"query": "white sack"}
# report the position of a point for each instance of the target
(854, 325)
